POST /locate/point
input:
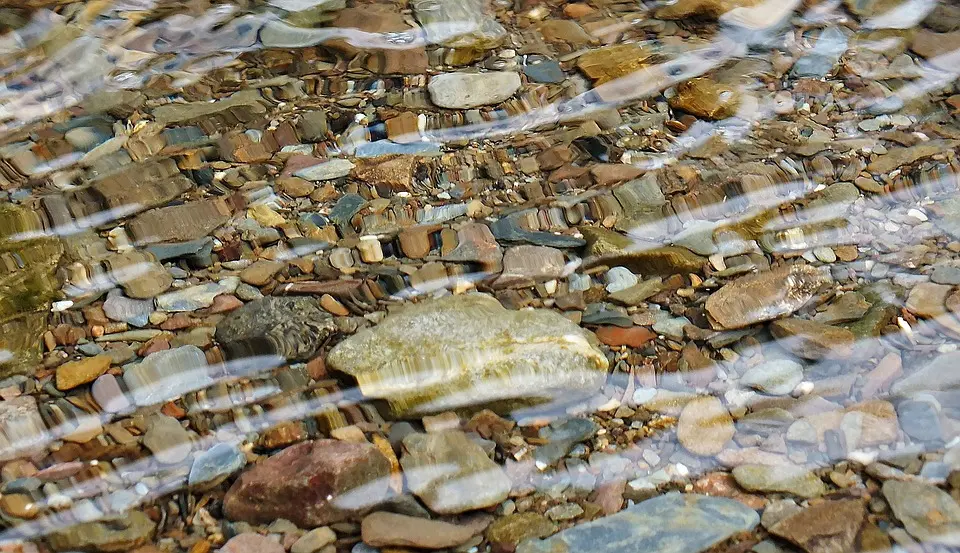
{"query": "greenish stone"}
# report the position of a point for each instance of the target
(513, 529)
(28, 260)
(607, 247)
(467, 350)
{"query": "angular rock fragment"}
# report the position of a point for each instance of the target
(927, 512)
(179, 223)
(483, 354)
(813, 340)
(451, 473)
(310, 484)
(827, 527)
(794, 480)
(671, 523)
(706, 98)
(607, 247)
(764, 296)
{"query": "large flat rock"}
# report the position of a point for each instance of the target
(469, 350)
(671, 523)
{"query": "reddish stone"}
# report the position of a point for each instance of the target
(610, 496)
(723, 484)
(634, 336)
(605, 174)
(310, 484)
(177, 321)
(224, 303)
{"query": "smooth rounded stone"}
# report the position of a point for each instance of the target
(780, 479)
(214, 465)
(167, 374)
(251, 542)
(928, 513)
(76, 373)
(936, 375)
(121, 308)
(196, 297)
(19, 505)
(311, 484)
(813, 340)
(777, 377)
(919, 420)
(525, 264)
(706, 98)
(119, 534)
(167, 439)
(86, 138)
(383, 529)
(314, 540)
(654, 525)
(506, 532)
(544, 71)
(433, 356)
(328, 170)
(765, 421)
(295, 327)
(705, 426)
(470, 90)
(451, 473)
(928, 299)
(619, 278)
(764, 296)
(826, 527)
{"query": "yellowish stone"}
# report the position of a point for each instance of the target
(75, 373)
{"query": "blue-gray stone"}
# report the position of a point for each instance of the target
(386, 147)
(173, 250)
(605, 314)
(561, 438)
(546, 71)
(183, 135)
(508, 230)
(128, 310)
(671, 523)
(214, 465)
(820, 60)
(344, 210)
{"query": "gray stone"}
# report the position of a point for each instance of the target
(434, 356)
(451, 473)
(471, 90)
(314, 540)
(927, 512)
(196, 297)
(386, 148)
(294, 327)
(945, 273)
(328, 170)
(776, 377)
(764, 296)
(919, 420)
(121, 308)
(561, 438)
(166, 439)
(938, 375)
(619, 278)
(784, 479)
(544, 71)
(671, 523)
(167, 374)
(820, 60)
(214, 465)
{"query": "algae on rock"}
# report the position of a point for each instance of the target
(28, 260)
(468, 350)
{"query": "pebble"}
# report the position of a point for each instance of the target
(249, 542)
(196, 297)
(470, 90)
(168, 441)
(393, 530)
(776, 377)
(327, 170)
(619, 278)
(76, 373)
(314, 541)
(784, 479)
(705, 426)
(214, 465)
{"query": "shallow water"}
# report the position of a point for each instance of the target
(318, 275)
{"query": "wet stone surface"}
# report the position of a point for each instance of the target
(323, 276)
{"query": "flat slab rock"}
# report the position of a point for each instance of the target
(310, 484)
(764, 296)
(124, 533)
(469, 350)
(671, 523)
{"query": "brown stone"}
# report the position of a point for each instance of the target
(706, 98)
(609, 63)
(333, 306)
(311, 484)
(928, 299)
(261, 272)
(633, 337)
(827, 527)
(403, 128)
(705, 426)
(526, 264)
(393, 173)
(75, 373)
(250, 542)
(577, 10)
(179, 223)
(295, 187)
(764, 296)
(415, 241)
(609, 174)
(813, 340)
(930, 44)
(707, 8)
(390, 529)
(724, 485)
(380, 19)
(19, 505)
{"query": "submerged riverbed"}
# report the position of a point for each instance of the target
(479, 276)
